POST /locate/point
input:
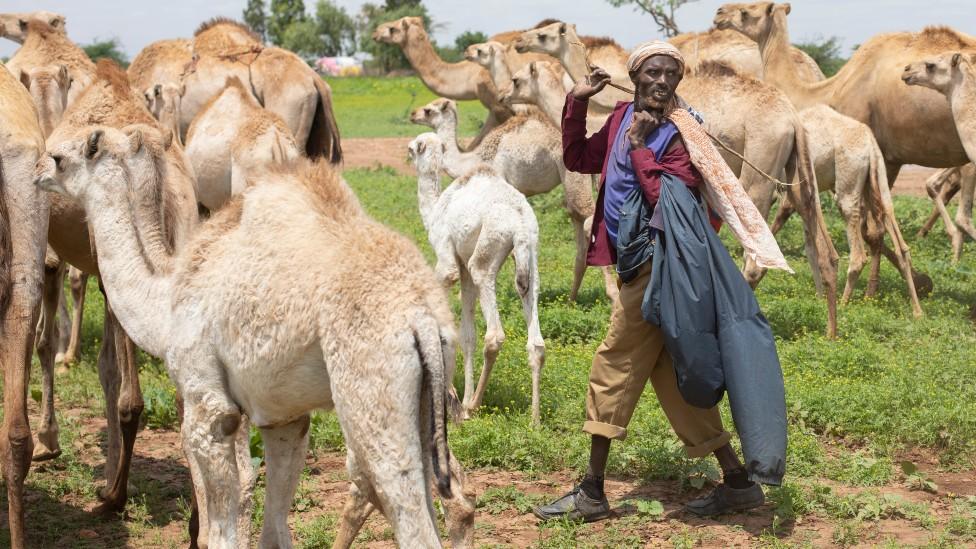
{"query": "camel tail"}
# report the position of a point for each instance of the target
(6, 246)
(434, 363)
(323, 138)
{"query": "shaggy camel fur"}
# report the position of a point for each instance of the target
(280, 80)
(473, 226)
(163, 101)
(459, 81)
(45, 46)
(230, 139)
(758, 122)
(14, 26)
(110, 100)
(23, 242)
(381, 355)
(868, 88)
(526, 152)
(161, 62)
(953, 74)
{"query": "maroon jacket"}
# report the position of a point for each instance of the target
(590, 154)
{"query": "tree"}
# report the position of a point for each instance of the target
(386, 57)
(107, 48)
(283, 14)
(467, 38)
(826, 53)
(336, 29)
(302, 37)
(255, 18)
(662, 11)
(391, 5)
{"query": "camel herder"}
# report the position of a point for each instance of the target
(640, 141)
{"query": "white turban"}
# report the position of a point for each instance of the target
(649, 49)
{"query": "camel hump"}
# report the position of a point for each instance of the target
(107, 70)
(218, 21)
(944, 37)
(715, 69)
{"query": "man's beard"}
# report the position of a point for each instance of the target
(650, 103)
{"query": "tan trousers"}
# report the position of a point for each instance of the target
(632, 353)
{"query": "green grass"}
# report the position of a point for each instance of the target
(381, 107)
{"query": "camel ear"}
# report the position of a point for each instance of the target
(421, 148)
(91, 146)
(444, 106)
(956, 58)
(562, 28)
(158, 90)
(786, 8)
(443, 148)
(64, 77)
(532, 69)
(167, 139)
(57, 22)
(135, 140)
(25, 79)
(403, 25)
(23, 24)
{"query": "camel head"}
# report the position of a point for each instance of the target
(13, 26)
(941, 72)
(528, 82)
(484, 54)
(93, 165)
(549, 39)
(753, 20)
(396, 32)
(163, 101)
(48, 87)
(427, 151)
(435, 113)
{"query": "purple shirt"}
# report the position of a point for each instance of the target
(621, 180)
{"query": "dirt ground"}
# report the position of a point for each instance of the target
(392, 151)
(158, 468)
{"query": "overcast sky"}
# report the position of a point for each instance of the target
(136, 23)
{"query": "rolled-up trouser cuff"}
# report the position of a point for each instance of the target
(709, 446)
(606, 430)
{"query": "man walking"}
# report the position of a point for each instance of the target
(639, 142)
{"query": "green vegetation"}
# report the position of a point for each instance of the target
(380, 107)
(826, 52)
(888, 388)
(110, 49)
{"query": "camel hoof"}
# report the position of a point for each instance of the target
(42, 453)
(108, 508)
(923, 284)
(59, 358)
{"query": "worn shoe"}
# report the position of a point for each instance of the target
(575, 505)
(725, 499)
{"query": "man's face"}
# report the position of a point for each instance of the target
(655, 81)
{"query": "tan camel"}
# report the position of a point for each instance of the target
(230, 140)
(163, 101)
(526, 151)
(953, 74)
(23, 242)
(14, 26)
(280, 80)
(45, 46)
(757, 121)
(381, 356)
(110, 100)
(868, 88)
(577, 54)
(459, 81)
(161, 62)
(539, 84)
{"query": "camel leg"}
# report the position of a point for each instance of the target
(16, 346)
(964, 216)
(197, 525)
(850, 209)
(526, 270)
(459, 509)
(485, 276)
(579, 264)
(786, 210)
(124, 389)
(469, 293)
(360, 505)
(64, 325)
(47, 446)
(79, 287)
(942, 193)
(248, 478)
(284, 451)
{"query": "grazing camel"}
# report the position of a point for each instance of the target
(473, 226)
(526, 152)
(163, 101)
(757, 121)
(373, 340)
(23, 242)
(230, 139)
(953, 74)
(868, 87)
(111, 101)
(280, 80)
(14, 26)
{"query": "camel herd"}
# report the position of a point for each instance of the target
(197, 182)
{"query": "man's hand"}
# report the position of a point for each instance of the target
(644, 123)
(591, 85)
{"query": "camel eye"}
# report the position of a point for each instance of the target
(58, 162)
(427, 112)
(930, 67)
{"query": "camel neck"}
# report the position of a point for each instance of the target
(140, 298)
(428, 191)
(573, 58)
(780, 70)
(962, 97)
(429, 66)
(447, 131)
(501, 77)
(551, 101)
